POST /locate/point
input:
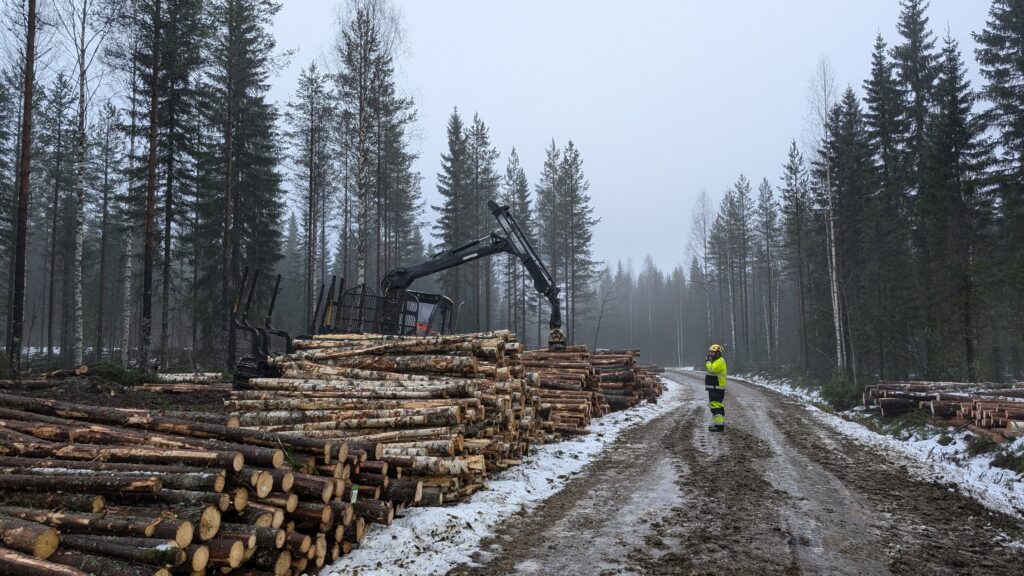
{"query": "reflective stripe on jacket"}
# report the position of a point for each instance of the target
(717, 367)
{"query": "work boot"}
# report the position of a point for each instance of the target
(716, 428)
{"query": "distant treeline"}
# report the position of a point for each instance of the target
(891, 246)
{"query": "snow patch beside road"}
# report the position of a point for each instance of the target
(997, 488)
(435, 540)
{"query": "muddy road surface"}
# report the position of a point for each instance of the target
(777, 493)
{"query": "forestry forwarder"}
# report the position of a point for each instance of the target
(398, 310)
(513, 242)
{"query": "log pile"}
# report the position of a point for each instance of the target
(578, 385)
(185, 383)
(442, 410)
(95, 490)
(566, 384)
(993, 410)
(623, 381)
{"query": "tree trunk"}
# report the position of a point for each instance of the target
(227, 248)
(149, 248)
(30, 537)
(833, 274)
(21, 221)
(52, 287)
(14, 563)
(165, 276)
(69, 522)
(800, 294)
(102, 281)
(96, 564)
(226, 552)
(73, 502)
(142, 550)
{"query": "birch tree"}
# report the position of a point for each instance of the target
(821, 99)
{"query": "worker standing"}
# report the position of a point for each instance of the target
(714, 382)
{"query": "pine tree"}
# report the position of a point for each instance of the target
(8, 193)
(24, 172)
(108, 166)
(310, 117)
(795, 221)
(360, 48)
(56, 131)
(767, 238)
(738, 215)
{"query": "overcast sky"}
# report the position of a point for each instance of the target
(662, 98)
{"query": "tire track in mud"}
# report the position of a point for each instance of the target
(924, 527)
(777, 493)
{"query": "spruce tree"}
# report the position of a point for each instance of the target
(890, 316)
(579, 264)
(796, 216)
(551, 222)
(916, 71)
(518, 285)
(998, 54)
(181, 60)
(451, 228)
(954, 204)
(482, 187)
(239, 195)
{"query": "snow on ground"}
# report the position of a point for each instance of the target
(444, 537)
(997, 488)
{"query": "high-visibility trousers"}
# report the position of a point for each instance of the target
(716, 401)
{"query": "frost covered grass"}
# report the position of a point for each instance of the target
(992, 474)
(434, 540)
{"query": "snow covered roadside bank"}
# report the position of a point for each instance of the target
(997, 488)
(434, 540)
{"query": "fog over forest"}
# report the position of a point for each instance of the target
(875, 233)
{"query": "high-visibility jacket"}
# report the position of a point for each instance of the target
(716, 368)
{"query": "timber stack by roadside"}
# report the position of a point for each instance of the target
(993, 410)
(623, 381)
(575, 385)
(566, 385)
(99, 490)
(442, 410)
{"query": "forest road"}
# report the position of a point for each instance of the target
(777, 493)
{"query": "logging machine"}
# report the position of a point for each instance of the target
(397, 310)
(432, 313)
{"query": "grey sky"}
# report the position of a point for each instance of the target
(663, 99)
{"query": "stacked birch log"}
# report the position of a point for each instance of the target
(441, 410)
(994, 410)
(96, 490)
(185, 383)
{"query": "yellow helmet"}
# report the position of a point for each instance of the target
(716, 348)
